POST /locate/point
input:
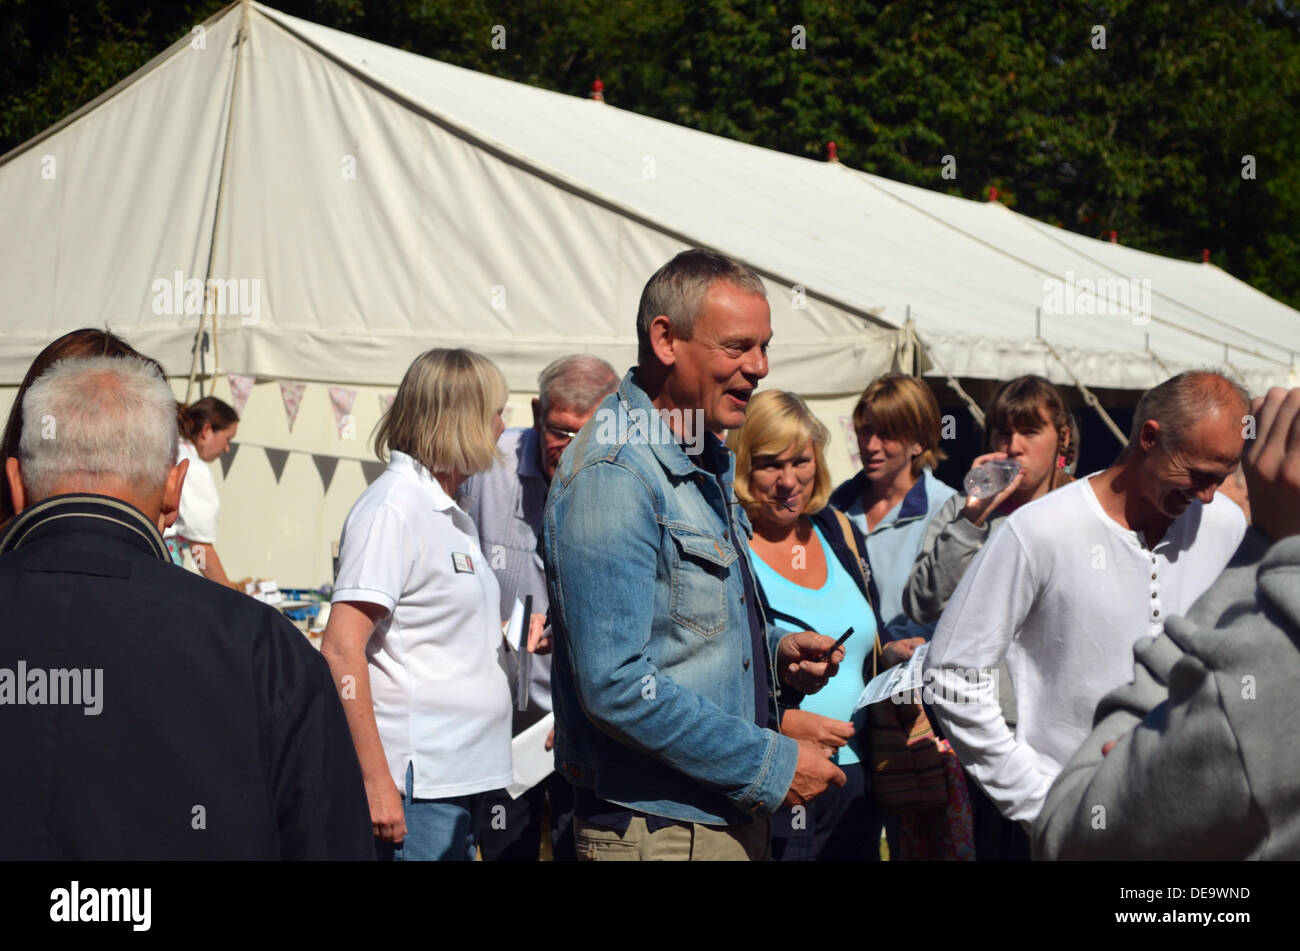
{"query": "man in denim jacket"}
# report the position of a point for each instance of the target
(663, 680)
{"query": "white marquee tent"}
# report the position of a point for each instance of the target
(347, 205)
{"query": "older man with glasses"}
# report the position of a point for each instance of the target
(506, 504)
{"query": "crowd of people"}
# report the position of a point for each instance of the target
(1106, 656)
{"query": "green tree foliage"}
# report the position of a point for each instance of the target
(1146, 134)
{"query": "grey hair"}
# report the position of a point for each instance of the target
(1178, 402)
(677, 290)
(576, 382)
(94, 419)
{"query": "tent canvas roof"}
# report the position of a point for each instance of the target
(374, 203)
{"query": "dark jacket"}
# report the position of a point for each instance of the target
(215, 731)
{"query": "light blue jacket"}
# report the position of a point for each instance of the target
(652, 680)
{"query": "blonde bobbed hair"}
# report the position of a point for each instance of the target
(442, 415)
(775, 422)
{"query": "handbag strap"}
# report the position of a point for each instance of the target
(846, 528)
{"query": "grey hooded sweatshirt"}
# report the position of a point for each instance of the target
(1204, 766)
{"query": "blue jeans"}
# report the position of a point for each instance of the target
(437, 830)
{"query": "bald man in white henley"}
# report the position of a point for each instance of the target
(1075, 578)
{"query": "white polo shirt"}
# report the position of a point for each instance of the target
(197, 519)
(442, 701)
(1062, 591)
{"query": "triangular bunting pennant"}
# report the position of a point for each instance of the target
(341, 400)
(385, 401)
(325, 465)
(291, 393)
(227, 459)
(240, 388)
(372, 470)
(277, 458)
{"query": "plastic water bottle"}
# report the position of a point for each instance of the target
(988, 480)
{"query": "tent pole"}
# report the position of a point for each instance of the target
(241, 37)
(952, 380)
(1089, 397)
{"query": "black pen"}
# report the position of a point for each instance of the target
(827, 656)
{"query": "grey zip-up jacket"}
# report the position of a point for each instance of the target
(1205, 761)
(951, 543)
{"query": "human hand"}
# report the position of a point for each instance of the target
(895, 652)
(977, 510)
(539, 636)
(387, 818)
(825, 732)
(813, 774)
(1272, 464)
(799, 664)
(550, 739)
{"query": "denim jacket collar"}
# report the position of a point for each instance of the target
(664, 443)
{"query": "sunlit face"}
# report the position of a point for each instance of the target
(556, 430)
(1036, 451)
(1171, 478)
(718, 369)
(883, 457)
(498, 424)
(213, 443)
(782, 485)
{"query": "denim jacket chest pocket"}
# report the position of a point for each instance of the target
(700, 567)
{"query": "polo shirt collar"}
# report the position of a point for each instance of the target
(530, 455)
(85, 512)
(916, 502)
(408, 467)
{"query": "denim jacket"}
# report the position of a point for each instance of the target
(651, 678)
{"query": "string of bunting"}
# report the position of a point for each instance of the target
(342, 399)
(325, 464)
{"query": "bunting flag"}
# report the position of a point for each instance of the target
(291, 393)
(341, 400)
(277, 458)
(851, 434)
(372, 470)
(325, 465)
(228, 458)
(385, 401)
(240, 389)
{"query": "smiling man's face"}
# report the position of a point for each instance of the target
(1174, 477)
(718, 369)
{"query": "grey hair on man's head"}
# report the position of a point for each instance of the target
(1178, 402)
(93, 420)
(677, 290)
(577, 382)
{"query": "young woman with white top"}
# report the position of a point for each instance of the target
(206, 428)
(415, 628)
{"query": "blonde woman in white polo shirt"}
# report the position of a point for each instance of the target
(415, 627)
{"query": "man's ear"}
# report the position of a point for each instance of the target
(662, 339)
(537, 413)
(171, 500)
(1149, 435)
(17, 490)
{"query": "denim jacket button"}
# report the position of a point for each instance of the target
(747, 663)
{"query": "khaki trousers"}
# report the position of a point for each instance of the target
(694, 842)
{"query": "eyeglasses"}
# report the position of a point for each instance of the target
(560, 435)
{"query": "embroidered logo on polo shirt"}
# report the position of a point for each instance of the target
(462, 563)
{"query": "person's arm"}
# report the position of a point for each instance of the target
(605, 636)
(344, 648)
(987, 610)
(209, 565)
